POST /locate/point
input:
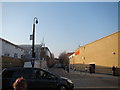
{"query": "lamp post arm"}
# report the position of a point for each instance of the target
(35, 20)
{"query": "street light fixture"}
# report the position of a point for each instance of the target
(35, 21)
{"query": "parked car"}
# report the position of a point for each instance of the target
(36, 79)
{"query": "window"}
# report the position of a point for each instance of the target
(41, 74)
(22, 56)
(15, 55)
(44, 75)
(25, 73)
(8, 74)
(38, 74)
(7, 54)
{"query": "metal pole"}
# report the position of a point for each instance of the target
(35, 21)
(33, 42)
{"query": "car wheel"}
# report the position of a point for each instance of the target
(62, 87)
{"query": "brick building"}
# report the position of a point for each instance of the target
(102, 54)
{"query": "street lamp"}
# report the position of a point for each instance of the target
(35, 21)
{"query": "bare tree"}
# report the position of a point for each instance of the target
(51, 60)
(64, 60)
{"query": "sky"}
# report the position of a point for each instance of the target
(64, 26)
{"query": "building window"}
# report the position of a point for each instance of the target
(7, 54)
(83, 58)
(15, 55)
(22, 56)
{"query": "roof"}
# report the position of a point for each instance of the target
(1, 39)
(46, 48)
(70, 53)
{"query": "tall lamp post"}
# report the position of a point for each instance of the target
(35, 21)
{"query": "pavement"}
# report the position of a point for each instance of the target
(94, 74)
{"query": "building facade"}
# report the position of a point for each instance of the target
(11, 50)
(28, 52)
(11, 54)
(102, 54)
(43, 56)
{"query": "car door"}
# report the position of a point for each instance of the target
(7, 76)
(28, 75)
(45, 80)
(51, 80)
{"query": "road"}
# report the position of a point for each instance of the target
(97, 89)
(87, 81)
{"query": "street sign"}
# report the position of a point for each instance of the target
(31, 37)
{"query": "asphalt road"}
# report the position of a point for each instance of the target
(97, 89)
(87, 81)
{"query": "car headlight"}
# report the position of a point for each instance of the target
(69, 81)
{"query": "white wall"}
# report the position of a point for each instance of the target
(41, 64)
(38, 64)
(10, 49)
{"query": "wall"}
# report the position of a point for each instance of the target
(11, 62)
(11, 49)
(102, 52)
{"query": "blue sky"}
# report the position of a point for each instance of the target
(63, 25)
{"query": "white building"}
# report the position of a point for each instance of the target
(42, 56)
(11, 50)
